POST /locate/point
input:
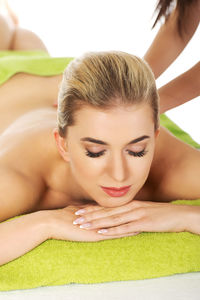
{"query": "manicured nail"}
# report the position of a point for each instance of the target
(102, 231)
(79, 221)
(86, 225)
(80, 211)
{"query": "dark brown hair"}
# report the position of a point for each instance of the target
(164, 9)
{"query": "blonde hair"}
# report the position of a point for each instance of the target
(104, 80)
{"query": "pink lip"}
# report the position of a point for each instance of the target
(116, 192)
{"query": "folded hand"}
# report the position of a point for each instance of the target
(134, 217)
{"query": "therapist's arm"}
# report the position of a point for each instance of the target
(181, 89)
(168, 44)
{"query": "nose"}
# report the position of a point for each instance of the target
(117, 167)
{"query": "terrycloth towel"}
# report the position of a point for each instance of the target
(147, 255)
(32, 62)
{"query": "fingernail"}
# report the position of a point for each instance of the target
(80, 211)
(79, 221)
(86, 225)
(102, 231)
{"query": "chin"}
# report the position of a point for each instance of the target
(114, 202)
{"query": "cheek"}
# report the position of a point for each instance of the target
(148, 162)
(141, 167)
(83, 167)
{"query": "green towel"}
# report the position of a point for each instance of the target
(147, 255)
(32, 62)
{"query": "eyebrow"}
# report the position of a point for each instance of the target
(89, 139)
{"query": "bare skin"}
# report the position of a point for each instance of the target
(29, 129)
(186, 86)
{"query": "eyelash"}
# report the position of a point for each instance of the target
(97, 154)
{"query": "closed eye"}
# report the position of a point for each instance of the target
(97, 154)
(138, 154)
(94, 154)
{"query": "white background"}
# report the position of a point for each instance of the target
(72, 27)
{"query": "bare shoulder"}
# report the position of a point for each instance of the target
(175, 172)
(28, 139)
(26, 147)
(18, 194)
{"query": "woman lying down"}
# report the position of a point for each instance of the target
(98, 168)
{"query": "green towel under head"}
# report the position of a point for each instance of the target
(147, 255)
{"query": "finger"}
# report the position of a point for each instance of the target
(106, 211)
(87, 209)
(130, 228)
(111, 221)
(109, 237)
(97, 212)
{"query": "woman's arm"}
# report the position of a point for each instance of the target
(168, 44)
(181, 89)
(18, 196)
(20, 235)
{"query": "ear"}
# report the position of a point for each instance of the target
(157, 132)
(61, 145)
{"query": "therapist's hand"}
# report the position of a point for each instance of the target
(135, 217)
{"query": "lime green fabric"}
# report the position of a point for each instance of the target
(32, 62)
(147, 255)
(177, 131)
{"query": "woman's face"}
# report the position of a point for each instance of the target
(111, 148)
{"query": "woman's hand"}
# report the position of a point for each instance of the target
(138, 216)
(60, 226)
